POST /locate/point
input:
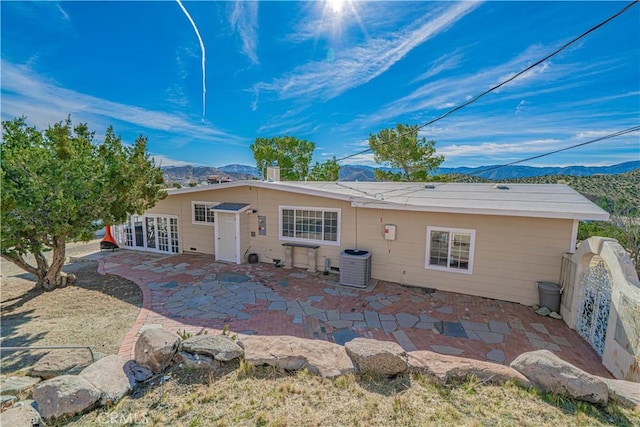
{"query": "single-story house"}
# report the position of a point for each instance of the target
(488, 240)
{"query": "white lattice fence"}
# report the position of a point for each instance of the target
(601, 301)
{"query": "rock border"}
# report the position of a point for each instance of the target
(108, 380)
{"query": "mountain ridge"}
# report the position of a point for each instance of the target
(185, 175)
(499, 172)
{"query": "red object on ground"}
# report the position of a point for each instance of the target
(108, 242)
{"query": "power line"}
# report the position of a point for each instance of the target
(515, 76)
(602, 138)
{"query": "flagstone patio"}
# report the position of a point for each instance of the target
(190, 292)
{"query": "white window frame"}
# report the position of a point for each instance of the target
(208, 206)
(313, 241)
(472, 245)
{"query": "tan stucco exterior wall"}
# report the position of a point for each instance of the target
(511, 253)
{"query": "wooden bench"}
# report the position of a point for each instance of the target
(311, 254)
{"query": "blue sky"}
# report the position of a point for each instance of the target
(331, 72)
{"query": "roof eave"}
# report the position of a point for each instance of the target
(591, 216)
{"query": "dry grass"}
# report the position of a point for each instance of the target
(265, 397)
(97, 311)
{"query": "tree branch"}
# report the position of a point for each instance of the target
(21, 263)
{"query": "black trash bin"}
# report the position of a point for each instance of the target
(550, 295)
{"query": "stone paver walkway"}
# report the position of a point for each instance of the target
(191, 292)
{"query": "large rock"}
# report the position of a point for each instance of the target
(110, 377)
(197, 361)
(553, 374)
(380, 357)
(60, 362)
(23, 414)
(627, 393)
(64, 396)
(446, 368)
(17, 385)
(322, 358)
(155, 348)
(220, 347)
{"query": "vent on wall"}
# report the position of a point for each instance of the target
(355, 268)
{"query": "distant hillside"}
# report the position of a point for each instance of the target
(185, 175)
(365, 173)
(356, 173)
(244, 170)
(510, 172)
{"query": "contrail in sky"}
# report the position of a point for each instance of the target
(204, 83)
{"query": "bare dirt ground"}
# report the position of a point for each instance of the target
(96, 311)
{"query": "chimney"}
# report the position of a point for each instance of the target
(273, 173)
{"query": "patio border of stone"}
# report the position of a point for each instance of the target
(70, 395)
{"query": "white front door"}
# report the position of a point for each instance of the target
(226, 237)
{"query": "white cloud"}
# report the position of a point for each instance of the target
(445, 106)
(455, 90)
(254, 102)
(446, 62)
(64, 14)
(244, 20)
(472, 127)
(47, 15)
(593, 134)
(600, 100)
(522, 78)
(447, 92)
(361, 143)
(176, 90)
(499, 149)
(360, 159)
(522, 105)
(363, 62)
(288, 123)
(44, 102)
(161, 160)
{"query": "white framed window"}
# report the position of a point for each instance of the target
(450, 249)
(313, 225)
(201, 212)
